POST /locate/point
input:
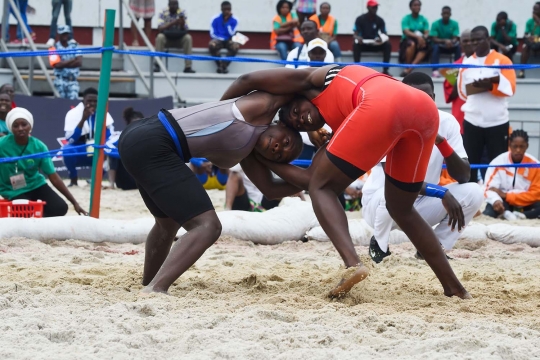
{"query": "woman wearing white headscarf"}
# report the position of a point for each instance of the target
(21, 179)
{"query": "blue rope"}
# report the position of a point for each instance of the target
(83, 51)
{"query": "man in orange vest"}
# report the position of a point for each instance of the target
(328, 27)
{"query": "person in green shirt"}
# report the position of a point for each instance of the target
(532, 38)
(21, 179)
(504, 35)
(414, 41)
(5, 108)
(445, 38)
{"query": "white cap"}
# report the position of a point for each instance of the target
(317, 43)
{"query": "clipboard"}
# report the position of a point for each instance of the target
(471, 90)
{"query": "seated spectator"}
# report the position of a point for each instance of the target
(5, 108)
(67, 70)
(285, 35)
(80, 127)
(445, 38)
(367, 35)
(306, 9)
(512, 192)
(56, 7)
(328, 29)
(173, 32)
(504, 35)
(24, 8)
(318, 51)
(222, 30)
(309, 33)
(8, 89)
(531, 40)
(210, 176)
(21, 179)
(451, 93)
(142, 9)
(118, 175)
(414, 42)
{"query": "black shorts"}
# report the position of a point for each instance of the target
(242, 203)
(167, 185)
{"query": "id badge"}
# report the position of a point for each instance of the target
(18, 181)
(90, 148)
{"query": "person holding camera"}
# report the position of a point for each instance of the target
(173, 32)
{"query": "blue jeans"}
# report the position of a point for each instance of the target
(334, 48)
(56, 6)
(438, 49)
(283, 48)
(72, 162)
(23, 4)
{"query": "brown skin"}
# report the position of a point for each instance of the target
(468, 50)
(372, 12)
(21, 131)
(286, 27)
(180, 22)
(317, 54)
(501, 25)
(309, 31)
(325, 181)
(525, 51)
(448, 43)
(5, 107)
(410, 57)
(325, 11)
(68, 64)
(8, 89)
(518, 147)
(480, 43)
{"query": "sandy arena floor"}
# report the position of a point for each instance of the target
(75, 300)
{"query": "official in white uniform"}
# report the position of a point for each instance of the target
(456, 202)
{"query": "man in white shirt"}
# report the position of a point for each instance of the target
(309, 32)
(452, 207)
(80, 126)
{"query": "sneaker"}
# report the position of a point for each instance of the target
(189, 71)
(508, 215)
(519, 215)
(436, 74)
(50, 42)
(375, 251)
(225, 70)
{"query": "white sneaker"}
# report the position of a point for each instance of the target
(50, 42)
(436, 74)
(519, 215)
(508, 215)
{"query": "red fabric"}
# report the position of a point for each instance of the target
(457, 103)
(391, 119)
(13, 105)
(445, 148)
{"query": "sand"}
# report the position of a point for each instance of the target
(75, 300)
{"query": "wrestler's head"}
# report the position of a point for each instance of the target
(279, 143)
(422, 82)
(301, 114)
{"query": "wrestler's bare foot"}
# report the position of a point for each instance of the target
(148, 290)
(461, 293)
(357, 274)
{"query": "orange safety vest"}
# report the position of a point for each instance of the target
(328, 25)
(273, 36)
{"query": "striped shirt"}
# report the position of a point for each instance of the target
(166, 17)
(307, 6)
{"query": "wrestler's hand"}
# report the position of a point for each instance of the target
(454, 210)
(319, 137)
(79, 209)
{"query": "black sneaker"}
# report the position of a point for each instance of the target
(189, 71)
(375, 251)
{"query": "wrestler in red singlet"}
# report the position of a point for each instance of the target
(382, 117)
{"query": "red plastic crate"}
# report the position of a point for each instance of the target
(21, 208)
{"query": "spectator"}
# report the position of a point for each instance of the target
(508, 189)
(173, 32)
(486, 92)
(309, 32)
(56, 6)
(306, 9)
(445, 38)
(318, 51)
(80, 127)
(531, 40)
(504, 35)
(451, 94)
(222, 30)
(328, 29)
(414, 42)
(23, 9)
(21, 179)
(5, 108)
(210, 176)
(8, 89)
(67, 70)
(285, 35)
(118, 175)
(142, 9)
(367, 34)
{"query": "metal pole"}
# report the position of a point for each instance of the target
(33, 47)
(30, 73)
(151, 92)
(15, 70)
(101, 112)
(5, 21)
(121, 29)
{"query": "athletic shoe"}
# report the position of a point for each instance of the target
(189, 71)
(50, 42)
(519, 215)
(436, 74)
(508, 215)
(375, 251)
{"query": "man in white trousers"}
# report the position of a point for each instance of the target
(451, 207)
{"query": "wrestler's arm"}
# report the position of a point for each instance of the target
(280, 81)
(261, 176)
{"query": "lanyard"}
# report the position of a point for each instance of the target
(91, 127)
(17, 162)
